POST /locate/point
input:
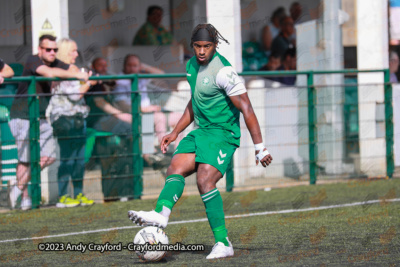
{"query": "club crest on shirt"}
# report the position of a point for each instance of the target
(206, 81)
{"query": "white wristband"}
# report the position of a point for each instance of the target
(259, 146)
(261, 155)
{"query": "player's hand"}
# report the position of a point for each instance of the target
(265, 160)
(1, 79)
(166, 140)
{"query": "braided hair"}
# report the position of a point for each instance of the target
(214, 33)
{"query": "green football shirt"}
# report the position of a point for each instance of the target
(211, 85)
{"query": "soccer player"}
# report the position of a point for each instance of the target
(218, 97)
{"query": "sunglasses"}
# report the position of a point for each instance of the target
(48, 50)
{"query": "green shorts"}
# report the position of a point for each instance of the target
(211, 146)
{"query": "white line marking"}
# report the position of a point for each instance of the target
(205, 219)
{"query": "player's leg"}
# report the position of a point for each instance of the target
(181, 166)
(207, 178)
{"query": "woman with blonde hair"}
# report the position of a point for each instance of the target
(68, 111)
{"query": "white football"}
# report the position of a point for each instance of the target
(152, 235)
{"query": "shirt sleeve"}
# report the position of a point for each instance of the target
(31, 65)
(228, 79)
(122, 90)
(60, 64)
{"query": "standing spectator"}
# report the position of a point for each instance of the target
(272, 30)
(67, 115)
(295, 12)
(152, 32)
(122, 99)
(393, 66)
(282, 42)
(43, 64)
(5, 71)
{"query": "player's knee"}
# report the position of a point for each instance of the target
(204, 185)
(173, 169)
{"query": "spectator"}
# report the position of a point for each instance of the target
(272, 30)
(295, 12)
(5, 71)
(43, 64)
(122, 99)
(274, 62)
(152, 32)
(68, 111)
(282, 42)
(100, 66)
(103, 115)
(288, 64)
(393, 66)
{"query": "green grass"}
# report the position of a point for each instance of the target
(358, 235)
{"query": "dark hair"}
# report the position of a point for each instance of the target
(150, 9)
(275, 55)
(96, 60)
(290, 52)
(48, 37)
(279, 12)
(211, 30)
(127, 57)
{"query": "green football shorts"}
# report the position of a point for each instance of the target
(211, 146)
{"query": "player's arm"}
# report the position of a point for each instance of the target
(243, 104)
(186, 119)
(228, 80)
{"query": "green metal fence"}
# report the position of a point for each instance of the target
(137, 159)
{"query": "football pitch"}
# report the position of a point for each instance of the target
(345, 224)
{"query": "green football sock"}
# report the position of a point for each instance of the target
(215, 214)
(171, 192)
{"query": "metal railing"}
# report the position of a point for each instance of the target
(137, 159)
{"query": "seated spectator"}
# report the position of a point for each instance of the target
(393, 66)
(68, 112)
(100, 66)
(5, 71)
(122, 99)
(44, 64)
(289, 64)
(282, 42)
(272, 30)
(152, 32)
(274, 62)
(103, 115)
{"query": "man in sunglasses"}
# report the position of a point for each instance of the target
(43, 64)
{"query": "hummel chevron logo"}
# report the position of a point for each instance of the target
(175, 198)
(222, 156)
(231, 78)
